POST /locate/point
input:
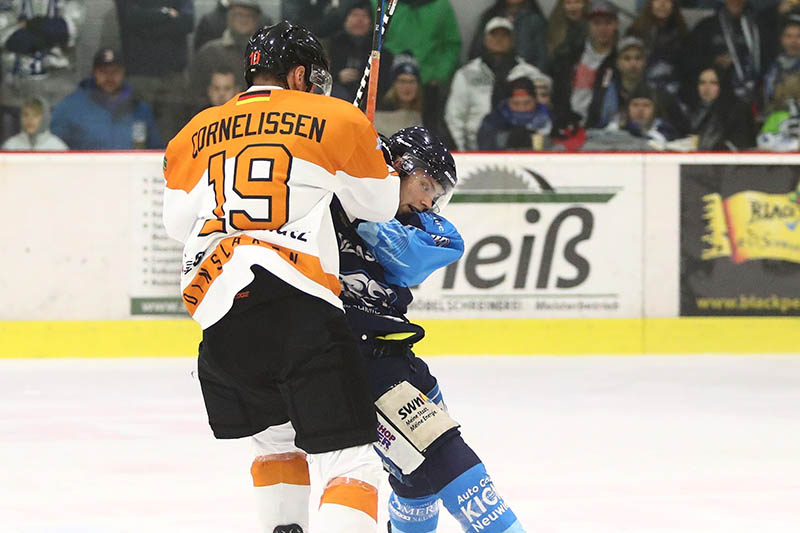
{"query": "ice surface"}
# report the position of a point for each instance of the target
(575, 444)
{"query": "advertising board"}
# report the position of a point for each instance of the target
(740, 240)
(544, 237)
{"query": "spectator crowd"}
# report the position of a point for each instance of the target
(586, 76)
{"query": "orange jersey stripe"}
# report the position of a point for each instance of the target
(211, 267)
(289, 468)
(354, 494)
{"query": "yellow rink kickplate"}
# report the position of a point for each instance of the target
(169, 338)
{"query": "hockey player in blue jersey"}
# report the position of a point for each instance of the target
(420, 445)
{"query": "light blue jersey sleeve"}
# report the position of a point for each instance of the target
(409, 254)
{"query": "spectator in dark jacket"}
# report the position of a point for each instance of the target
(579, 68)
(518, 122)
(322, 17)
(104, 113)
(717, 117)
(156, 52)
(612, 94)
(227, 52)
(643, 118)
(770, 21)
(661, 27)
(213, 24)
(530, 30)
(567, 24)
(350, 52)
(788, 61)
(730, 38)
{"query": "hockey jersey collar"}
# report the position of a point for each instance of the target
(264, 88)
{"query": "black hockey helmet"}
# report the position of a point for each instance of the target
(418, 149)
(276, 49)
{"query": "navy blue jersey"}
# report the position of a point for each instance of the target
(380, 261)
(374, 307)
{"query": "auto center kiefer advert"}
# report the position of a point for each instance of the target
(545, 236)
(740, 240)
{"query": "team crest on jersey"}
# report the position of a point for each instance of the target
(164, 164)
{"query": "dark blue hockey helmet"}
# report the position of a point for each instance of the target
(276, 49)
(416, 148)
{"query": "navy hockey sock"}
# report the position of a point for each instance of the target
(413, 515)
(473, 501)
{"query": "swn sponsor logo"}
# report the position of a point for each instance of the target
(410, 407)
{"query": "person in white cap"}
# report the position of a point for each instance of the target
(530, 30)
(473, 84)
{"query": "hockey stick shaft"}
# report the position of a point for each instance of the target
(375, 61)
(387, 17)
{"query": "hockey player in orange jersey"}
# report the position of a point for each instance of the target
(248, 189)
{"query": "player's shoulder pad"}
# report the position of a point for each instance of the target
(343, 110)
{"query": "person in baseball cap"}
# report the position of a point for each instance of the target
(107, 56)
(496, 23)
(108, 71)
(602, 8)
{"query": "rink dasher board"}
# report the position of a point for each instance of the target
(96, 275)
(523, 337)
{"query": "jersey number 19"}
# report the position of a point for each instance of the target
(274, 188)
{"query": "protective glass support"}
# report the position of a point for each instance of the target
(321, 80)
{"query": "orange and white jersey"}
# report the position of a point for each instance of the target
(250, 183)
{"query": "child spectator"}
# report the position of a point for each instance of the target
(781, 131)
(788, 61)
(104, 114)
(530, 30)
(518, 122)
(578, 68)
(222, 87)
(544, 89)
(474, 84)
(717, 117)
(35, 135)
(567, 24)
(401, 106)
(662, 29)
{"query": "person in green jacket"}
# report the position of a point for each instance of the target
(429, 30)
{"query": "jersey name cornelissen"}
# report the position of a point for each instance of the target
(248, 124)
